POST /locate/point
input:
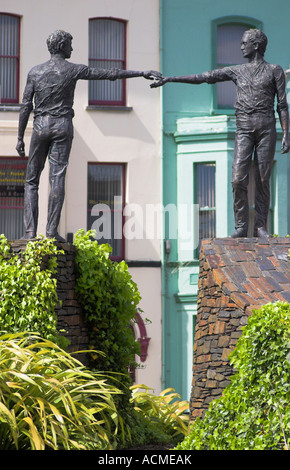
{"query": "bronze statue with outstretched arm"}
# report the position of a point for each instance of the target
(258, 84)
(50, 87)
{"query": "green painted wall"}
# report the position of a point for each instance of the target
(192, 130)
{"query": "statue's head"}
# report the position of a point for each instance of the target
(257, 36)
(57, 41)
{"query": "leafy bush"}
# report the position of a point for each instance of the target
(139, 430)
(48, 400)
(109, 297)
(28, 288)
(254, 411)
(164, 410)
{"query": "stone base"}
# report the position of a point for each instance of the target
(236, 276)
(69, 312)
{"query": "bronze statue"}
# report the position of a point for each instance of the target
(51, 86)
(257, 83)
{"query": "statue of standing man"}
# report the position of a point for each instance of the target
(258, 83)
(51, 86)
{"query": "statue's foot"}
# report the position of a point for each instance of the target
(57, 237)
(28, 236)
(261, 232)
(240, 233)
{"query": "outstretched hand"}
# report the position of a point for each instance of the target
(152, 75)
(158, 83)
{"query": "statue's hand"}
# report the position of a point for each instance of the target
(152, 75)
(20, 147)
(158, 83)
(285, 146)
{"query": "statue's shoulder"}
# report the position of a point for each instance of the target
(75, 70)
(273, 66)
(276, 69)
(38, 68)
(75, 66)
(236, 69)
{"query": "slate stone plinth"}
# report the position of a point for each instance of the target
(69, 312)
(236, 276)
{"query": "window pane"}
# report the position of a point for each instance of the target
(205, 178)
(205, 198)
(106, 50)
(228, 53)
(229, 44)
(104, 89)
(105, 204)
(206, 225)
(9, 58)
(8, 79)
(12, 179)
(226, 94)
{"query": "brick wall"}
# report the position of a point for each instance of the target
(236, 276)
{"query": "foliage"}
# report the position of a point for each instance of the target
(165, 410)
(109, 297)
(48, 400)
(28, 288)
(254, 411)
(139, 430)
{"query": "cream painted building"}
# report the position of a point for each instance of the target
(115, 155)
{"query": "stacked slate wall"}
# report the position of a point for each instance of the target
(69, 312)
(236, 276)
(216, 333)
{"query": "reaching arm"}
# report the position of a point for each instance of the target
(282, 107)
(149, 75)
(193, 79)
(25, 111)
(218, 75)
(116, 74)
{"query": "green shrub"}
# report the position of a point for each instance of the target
(164, 410)
(48, 400)
(110, 298)
(28, 288)
(140, 430)
(254, 410)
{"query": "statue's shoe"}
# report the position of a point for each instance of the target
(57, 237)
(240, 233)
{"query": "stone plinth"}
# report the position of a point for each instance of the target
(236, 276)
(69, 312)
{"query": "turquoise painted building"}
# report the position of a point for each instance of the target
(198, 131)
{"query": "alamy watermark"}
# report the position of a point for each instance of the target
(150, 221)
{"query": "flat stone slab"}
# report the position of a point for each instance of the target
(253, 271)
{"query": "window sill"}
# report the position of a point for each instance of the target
(218, 111)
(10, 107)
(183, 264)
(108, 108)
